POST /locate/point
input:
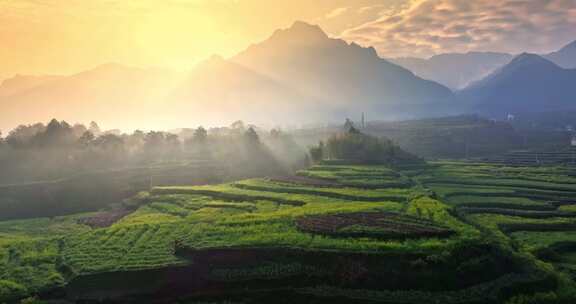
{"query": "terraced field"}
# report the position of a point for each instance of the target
(528, 209)
(444, 232)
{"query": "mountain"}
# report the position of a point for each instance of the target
(346, 77)
(20, 83)
(528, 84)
(221, 89)
(105, 93)
(455, 70)
(565, 57)
(298, 75)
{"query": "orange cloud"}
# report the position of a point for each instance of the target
(337, 12)
(428, 27)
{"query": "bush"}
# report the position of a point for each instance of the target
(10, 291)
(358, 148)
(538, 298)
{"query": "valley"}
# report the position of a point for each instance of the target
(502, 231)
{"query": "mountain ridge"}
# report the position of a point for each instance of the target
(530, 83)
(565, 57)
(458, 70)
(455, 70)
(332, 69)
(297, 72)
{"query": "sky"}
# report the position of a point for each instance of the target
(68, 36)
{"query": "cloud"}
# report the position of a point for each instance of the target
(336, 12)
(427, 27)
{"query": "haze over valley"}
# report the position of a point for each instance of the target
(303, 151)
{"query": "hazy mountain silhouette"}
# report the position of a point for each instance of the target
(455, 70)
(458, 70)
(529, 83)
(298, 75)
(106, 93)
(219, 89)
(347, 76)
(565, 57)
(20, 83)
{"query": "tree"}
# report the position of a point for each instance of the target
(349, 126)
(172, 143)
(200, 135)
(251, 136)
(110, 142)
(78, 130)
(94, 128)
(56, 134)
(86, 139)
(23, 135)
(275, 133)
(356, 147)
(154, 144)
(317, 153)
(238, 125)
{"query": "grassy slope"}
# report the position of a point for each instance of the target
(521, 188)
(261, 213)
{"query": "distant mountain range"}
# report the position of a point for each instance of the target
(455, 70)
(20, 83)
(111, 93)
(458, 70)
(298, 75)
(528, 84)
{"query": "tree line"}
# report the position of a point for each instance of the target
(58, 149)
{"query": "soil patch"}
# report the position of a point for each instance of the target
(105, 218)
(384, 225)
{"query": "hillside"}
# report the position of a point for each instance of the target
(20, 83)
(455, 70)
(345, 76)
(217, 84)
(529, 83)
(329, 234)
(458, 70)
(107, 91)
(565, 57)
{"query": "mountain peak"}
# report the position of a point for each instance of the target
(214, 62)
(215, 59)
(528, 59)
(302, 31)
(301, 26)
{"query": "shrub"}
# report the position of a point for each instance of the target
(10, 291)
(353, 146)
(538, 298)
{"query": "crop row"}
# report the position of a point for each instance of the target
(519, 213)
(224, 195)
(337, 195)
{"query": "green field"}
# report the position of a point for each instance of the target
(447, 232)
